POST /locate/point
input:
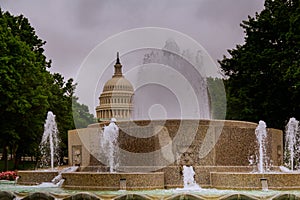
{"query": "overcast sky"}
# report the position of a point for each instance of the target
(72, 28)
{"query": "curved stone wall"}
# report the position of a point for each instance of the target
(253, 181)
(113, 181)
(208, 145)
(232, 142)
(35, 177)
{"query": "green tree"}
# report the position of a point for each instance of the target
(23, 85)
(263, 73)
(28, 91)
(61, 105)
(81, 114)
(217, 97)
(65, 106)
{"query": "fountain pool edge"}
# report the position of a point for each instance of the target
(113, 181)
(252, 181)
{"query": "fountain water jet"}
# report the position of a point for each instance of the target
(110, 139)
(292, 149)
(189, 182)
(261, 135)
(49, 145)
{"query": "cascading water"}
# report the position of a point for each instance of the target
(292, 148)
(189, 182)
(58, 180)
(170, 55)
(109, 143)
(49, 145)
(261, 136)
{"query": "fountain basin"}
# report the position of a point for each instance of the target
(234, 142)
(253, 181)
(113, 181)
(35, 177)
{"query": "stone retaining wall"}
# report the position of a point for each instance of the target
(275, 181)
(209, 142)
(35, 177)
(113, 181)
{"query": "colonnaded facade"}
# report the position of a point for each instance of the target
(116, 99)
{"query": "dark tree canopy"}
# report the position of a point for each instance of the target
(263, 74)
(28, 90)
(24, 84)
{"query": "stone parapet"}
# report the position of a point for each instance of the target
(35, 177)
(253, 181)
(113, 181)
(208, 142)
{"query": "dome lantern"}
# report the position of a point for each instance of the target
(118, 67)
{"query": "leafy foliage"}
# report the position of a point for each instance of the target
(217, 97)
(264, 73)
(24, 84)
(28, 90)
(81, 114)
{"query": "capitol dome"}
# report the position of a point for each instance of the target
(117, 83)
(116, 97)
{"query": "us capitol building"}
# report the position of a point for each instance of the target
(115, 100)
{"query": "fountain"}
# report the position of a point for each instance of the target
(261, 135)
(158, 155)
(109, 143)
(189, 182)
(229, 154)
(267, 176)
(49, 148)
(225, 167)
(49, 145)
(58, 180)
(292, 148)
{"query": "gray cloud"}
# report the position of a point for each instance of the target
(72, 28)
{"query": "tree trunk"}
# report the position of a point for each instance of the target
(17, 158)
(17, 162)
(4, 153)
(5, 158)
